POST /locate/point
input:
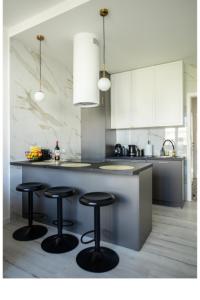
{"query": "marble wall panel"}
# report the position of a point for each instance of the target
(54, 118)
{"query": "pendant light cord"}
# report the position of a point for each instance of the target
(104, 49)
(40, 66)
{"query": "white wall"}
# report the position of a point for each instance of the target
(6, 131)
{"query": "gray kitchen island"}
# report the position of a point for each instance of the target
(126, 223)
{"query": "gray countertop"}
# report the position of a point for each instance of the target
(94, 167)
(146, 158)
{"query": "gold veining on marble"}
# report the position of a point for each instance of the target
(42, 123)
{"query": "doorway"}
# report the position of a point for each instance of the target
(192, 147)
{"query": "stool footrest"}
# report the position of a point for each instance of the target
(88, 242)
(66, 223)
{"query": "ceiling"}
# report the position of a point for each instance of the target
(16, 11)
(139, 33)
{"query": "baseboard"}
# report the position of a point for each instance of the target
(169, 203)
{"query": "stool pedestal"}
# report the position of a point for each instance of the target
(97, 261)
(59, 243)
(30, 232)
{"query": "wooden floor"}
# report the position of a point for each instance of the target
(169, 252)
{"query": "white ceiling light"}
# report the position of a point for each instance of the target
(85, 70)
(104, 83)
(39, 95)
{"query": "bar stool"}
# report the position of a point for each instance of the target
(97, 259)
(30, 232)
(59, 243)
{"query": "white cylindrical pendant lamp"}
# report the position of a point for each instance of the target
(85, 70)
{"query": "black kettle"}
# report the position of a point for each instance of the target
(132, 150)
(118, 150)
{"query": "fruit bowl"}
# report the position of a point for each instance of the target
(35, 153)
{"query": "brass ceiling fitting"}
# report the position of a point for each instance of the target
(40, 37)
(103, 12)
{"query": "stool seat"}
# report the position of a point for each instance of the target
(97, 199)
(59, 192)
(30, 187)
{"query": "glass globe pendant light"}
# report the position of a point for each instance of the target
(39, 95)
(104, 83)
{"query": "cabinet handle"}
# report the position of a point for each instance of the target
(163, 162)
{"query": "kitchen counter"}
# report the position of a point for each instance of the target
(168, 178)
(167, 158)
(128, 222)
(94, 166)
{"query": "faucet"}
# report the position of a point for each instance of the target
(162, 152)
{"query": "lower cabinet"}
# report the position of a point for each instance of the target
(168, 182)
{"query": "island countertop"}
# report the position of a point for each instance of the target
(92, 166)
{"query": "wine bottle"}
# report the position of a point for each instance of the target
(57, 151)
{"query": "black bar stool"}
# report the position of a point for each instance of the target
(97, 259)
(30, 232)
(59, 243)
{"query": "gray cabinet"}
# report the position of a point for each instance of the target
(168, 180)
(168, 183)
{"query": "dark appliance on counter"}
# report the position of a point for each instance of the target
(46, 154)
(124, 151)
(138, 152)
(141, 152)
(132, 150)
(118, 150)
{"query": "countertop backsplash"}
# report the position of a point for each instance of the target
(157, 136)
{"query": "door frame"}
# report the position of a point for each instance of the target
(190, 96)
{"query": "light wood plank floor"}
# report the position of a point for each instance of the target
(169, 252)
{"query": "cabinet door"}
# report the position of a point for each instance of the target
(169, 94)
(120, 100)
(143, 94)
(167, 182)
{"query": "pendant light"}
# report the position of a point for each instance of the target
(39, 95)
(104, 83)
(85, 70)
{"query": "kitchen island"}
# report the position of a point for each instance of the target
(127, 223)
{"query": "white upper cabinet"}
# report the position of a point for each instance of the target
(148, 97)
(169, 94)
(120, 100)
(142, 99)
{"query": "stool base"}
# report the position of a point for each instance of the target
(56, 244)
(97, 262)
(29, 233)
